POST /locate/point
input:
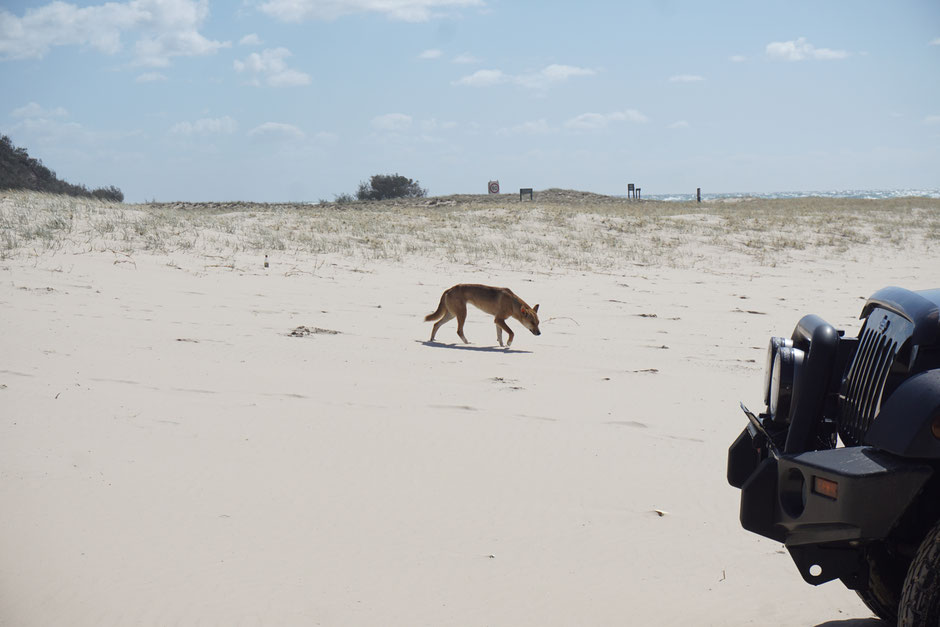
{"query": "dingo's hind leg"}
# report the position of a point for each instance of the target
(437, 325)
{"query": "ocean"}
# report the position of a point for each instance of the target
(844, 193)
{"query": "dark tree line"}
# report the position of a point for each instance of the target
(20, 171)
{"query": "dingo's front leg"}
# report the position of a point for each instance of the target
(500, 327)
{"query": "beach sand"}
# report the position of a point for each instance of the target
(171, 454)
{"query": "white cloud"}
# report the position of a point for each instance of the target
(686, 78)
(289, 78)
(542, 79)
(156, 51)
(34, 110)
(392, 122)
(206, 126)
(801, 50)
(932, 119)
(737, 58)
(935, 42)
(270, 65)
(62, 24)
(276, 131)
(430, 54)
(251, 39)
(552, 74)
(679, 124)
(484, 78)
(403, 10)
(588, 121)
(150, 77)
(164, 29)
(591, 121)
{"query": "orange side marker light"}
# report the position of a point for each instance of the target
(826, 487)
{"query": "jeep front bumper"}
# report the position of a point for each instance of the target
(824, 499)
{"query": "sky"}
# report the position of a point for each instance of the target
(301, 100)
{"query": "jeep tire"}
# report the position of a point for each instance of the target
(886, 572)
(920, 602)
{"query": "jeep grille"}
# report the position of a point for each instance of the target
(882, 337)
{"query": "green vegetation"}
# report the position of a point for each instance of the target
(388, 186)
(20, 171)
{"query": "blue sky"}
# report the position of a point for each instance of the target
(276, 100)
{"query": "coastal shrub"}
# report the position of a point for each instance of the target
(385, 186)
(110, 193)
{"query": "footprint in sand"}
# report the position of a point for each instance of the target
(629, 423)
(508, 384)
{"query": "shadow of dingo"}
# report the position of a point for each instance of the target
(854, 622)
(470, 347)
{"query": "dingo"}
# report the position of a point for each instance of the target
(496, 301)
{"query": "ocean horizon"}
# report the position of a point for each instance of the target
(842, 193)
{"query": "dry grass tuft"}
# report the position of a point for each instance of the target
(561, 229)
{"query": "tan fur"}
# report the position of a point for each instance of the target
(499, 302)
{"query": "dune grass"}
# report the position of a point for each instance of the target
(559, 230)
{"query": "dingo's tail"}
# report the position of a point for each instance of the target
(437, 314)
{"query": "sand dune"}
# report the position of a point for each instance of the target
(172, 453)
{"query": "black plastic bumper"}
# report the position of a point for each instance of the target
(780, 498)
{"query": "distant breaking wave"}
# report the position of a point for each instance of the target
(844, 193)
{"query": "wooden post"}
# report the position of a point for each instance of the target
(637, 193)
(698, 194)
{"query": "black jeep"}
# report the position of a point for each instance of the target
(843, 464)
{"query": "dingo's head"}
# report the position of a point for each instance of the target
(530, 319)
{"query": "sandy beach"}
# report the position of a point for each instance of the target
(188, 437)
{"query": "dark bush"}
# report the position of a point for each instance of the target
(111, 193)
(20, 171)
(383, 186)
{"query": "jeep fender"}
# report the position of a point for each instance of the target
(908, 424)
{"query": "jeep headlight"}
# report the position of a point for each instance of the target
(776, 343)
(786, 371)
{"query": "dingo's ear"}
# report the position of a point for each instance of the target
(536, 308)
